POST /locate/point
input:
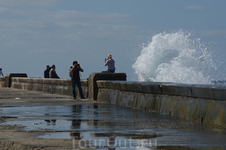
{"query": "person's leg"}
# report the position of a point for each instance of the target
(105, 71)
(73, 88)
(111, 70)
(80, 89)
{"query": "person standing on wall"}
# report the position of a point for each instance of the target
(75, 79)
(1, 73)
(46, 72)
(110, 63)
(53, 72)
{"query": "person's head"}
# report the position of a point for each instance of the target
(109, 56)
(53, 66)
(47, 67)
(0, 68)
(75, 63)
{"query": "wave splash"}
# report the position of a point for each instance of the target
(175, 57)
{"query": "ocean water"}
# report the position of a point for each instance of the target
(176, 57)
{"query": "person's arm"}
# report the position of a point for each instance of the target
(81, 69)
(72, 69)
(106, 62)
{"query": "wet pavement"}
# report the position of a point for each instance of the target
(86, 124)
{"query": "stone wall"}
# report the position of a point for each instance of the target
(54, 86)
(202, 103)
(2, 82)
(190, 102)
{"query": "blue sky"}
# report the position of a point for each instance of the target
(35, 33)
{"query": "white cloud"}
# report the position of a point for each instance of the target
(29, 29)
(195, 7)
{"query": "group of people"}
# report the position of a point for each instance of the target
(53, 73)
(75, 75)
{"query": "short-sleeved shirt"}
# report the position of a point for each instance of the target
(75, 74)
(111, 64)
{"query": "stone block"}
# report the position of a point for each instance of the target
(94, 77)
(176, 89)
(10, 75)
(202, 91)
(133, 86)
(219, 92)
(2, 82)
(151, 87)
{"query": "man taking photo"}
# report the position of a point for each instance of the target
(75, 78)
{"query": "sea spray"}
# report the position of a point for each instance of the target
(175, 57)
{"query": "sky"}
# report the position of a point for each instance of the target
(36, 33)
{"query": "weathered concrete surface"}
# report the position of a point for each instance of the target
(193, 103)
(2, 82)
(93, 89)
(12, 137)
(40, 121)
(205, 103)
(53, 86)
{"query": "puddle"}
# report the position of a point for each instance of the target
(99, 122)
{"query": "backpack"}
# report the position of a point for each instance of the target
(70, 73)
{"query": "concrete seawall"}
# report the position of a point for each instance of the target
(201, 103)
(2, 82)
(54, 86)
(205, 104)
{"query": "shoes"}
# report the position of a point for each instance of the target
(82, 97)
(74, 97)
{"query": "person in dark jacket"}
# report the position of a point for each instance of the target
(46, 72)
(53, 72)
(75, 78)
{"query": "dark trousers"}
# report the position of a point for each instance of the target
(109, 70)
(78, 82)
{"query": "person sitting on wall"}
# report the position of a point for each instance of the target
(46, 72)
(110, 63)
(53, 72)
(75, 79)
(1, 73)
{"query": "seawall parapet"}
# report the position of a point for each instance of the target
(94, 77)
(48, 85)
(202, 103)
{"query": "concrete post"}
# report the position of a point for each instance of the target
(92, 84)
(10, 75)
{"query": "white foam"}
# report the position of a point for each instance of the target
(175, 57)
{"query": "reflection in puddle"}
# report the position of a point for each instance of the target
(99, 122)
